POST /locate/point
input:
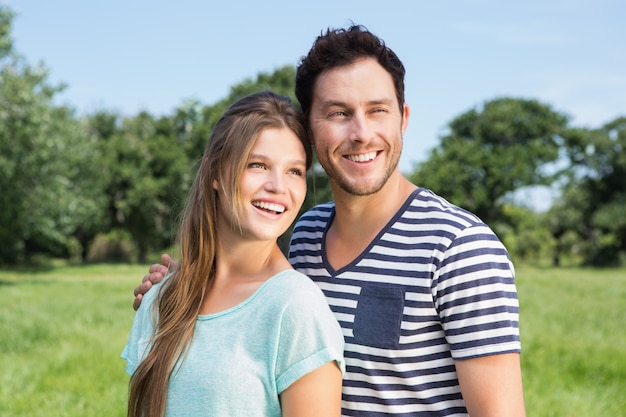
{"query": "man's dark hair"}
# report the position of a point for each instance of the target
(338, 47)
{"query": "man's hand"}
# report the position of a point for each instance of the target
(155, 274)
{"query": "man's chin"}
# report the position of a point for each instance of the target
(361, 188)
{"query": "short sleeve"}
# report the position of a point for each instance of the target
(476, 296)
(310, 336)
(141, 331)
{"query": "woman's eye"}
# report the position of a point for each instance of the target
(257, 165)
(297, 171)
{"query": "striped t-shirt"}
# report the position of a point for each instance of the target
(436, 285)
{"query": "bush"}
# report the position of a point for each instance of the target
(115, 246)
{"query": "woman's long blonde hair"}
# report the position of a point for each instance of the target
(179, 300)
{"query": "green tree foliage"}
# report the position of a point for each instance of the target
(48, 165)
(593, 204)
(195, 122)
(147, 175)
(151, 162)
(108, 183)
(525, 235)
(281, 80)
(491, 152)
(6, 42)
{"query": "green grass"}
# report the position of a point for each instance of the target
(62, 331)
(61, 334)
(574, 341)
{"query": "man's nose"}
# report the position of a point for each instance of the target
(360, 129)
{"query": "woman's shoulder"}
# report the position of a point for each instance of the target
(292, 279)
(295, 288)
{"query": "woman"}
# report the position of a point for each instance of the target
(234, 330)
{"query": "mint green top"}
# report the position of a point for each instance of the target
(242, 358)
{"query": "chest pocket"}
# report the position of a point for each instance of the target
(378, 316)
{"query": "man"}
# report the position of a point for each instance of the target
(423, 290)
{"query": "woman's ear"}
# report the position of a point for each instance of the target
(205, 162)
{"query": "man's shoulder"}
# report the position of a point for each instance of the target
(321, 209)
(318, 213)
(432, 206)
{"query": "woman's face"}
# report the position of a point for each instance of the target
(273, 185)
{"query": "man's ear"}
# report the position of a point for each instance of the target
(406, 112)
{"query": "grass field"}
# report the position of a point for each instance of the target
(62, 331)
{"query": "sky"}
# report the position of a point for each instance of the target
(150, 55)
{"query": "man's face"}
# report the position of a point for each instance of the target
(357, 126)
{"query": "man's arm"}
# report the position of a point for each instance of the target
(155, 274)
(492, 385)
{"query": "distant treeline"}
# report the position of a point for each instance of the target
(108, 187)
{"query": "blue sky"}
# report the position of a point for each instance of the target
(133, 55)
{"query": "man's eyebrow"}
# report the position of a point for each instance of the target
(333, 103)
(339, 103)
(385, 101)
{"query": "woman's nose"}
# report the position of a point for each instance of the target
(275, 183)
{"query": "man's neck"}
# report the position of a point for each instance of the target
(369, 210)
(358, 219)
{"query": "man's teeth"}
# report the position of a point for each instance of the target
(269, 206)
(363, 157)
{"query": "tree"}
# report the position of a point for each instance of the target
(525, 234)
(491, 152)
(6, 42)
(48, 180)
(281, 80)
(64, 180)
(594, 199)
(147, 177)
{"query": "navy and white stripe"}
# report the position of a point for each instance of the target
(436, 285)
